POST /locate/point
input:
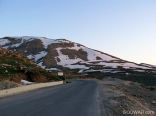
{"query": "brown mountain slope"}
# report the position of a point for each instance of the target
(15, 67)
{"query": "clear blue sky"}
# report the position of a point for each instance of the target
(124, 28)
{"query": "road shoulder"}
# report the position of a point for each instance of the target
(120, 97)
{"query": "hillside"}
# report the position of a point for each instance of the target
(61, 53)
(15, 67)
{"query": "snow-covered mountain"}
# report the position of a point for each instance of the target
(61, 53)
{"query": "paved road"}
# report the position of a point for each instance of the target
(78, 98)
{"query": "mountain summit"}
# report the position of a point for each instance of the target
(61, 53)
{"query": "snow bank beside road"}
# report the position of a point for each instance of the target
(17, 90)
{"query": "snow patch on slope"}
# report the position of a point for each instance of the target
(92, 54)
(76, 66)
(18, 44)
(23, 39)
(40, 55)
(124, 65)
(4, 42)
(37, 56)
(47, 41)
(41, 65)
(65, 60)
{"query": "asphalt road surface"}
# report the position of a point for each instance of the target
(79, 98)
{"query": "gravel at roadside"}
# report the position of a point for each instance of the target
(125, 98)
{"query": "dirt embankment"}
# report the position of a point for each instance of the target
(125, 98)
